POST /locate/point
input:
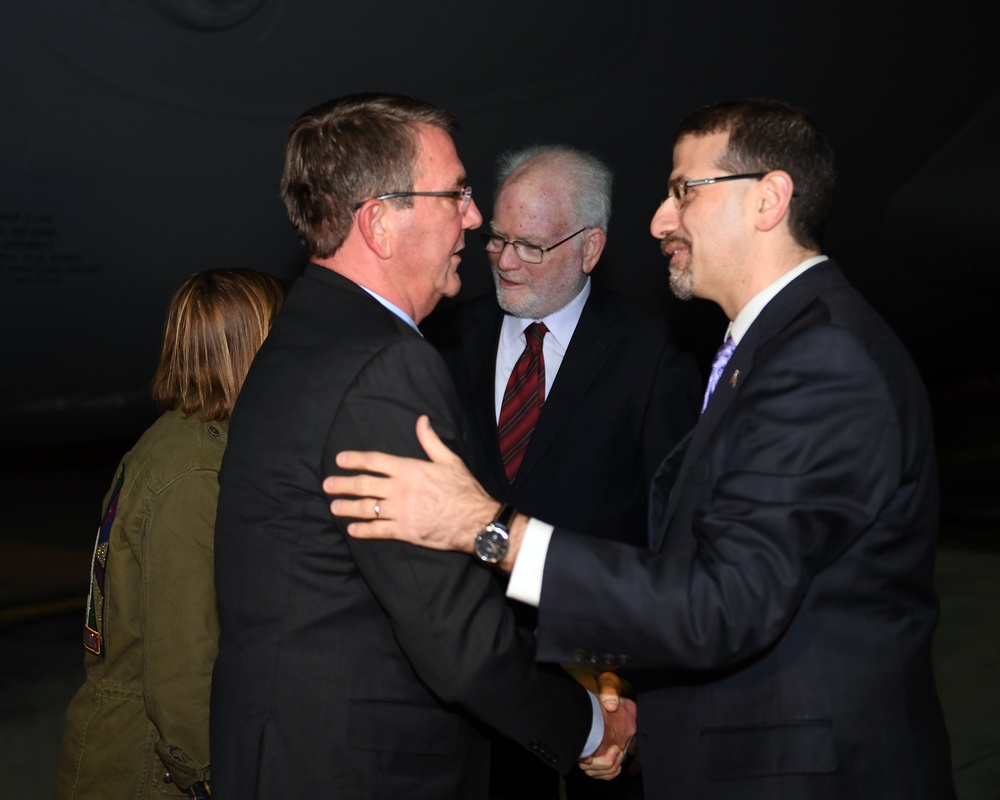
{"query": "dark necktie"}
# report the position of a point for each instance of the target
(718, 366)
(522, 400)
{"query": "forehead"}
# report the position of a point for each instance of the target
(533, 201)
(437, 160)
(696, 156)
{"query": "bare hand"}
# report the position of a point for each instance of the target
(608, 686)
(619, 736)
(611, 690)
(436, 503)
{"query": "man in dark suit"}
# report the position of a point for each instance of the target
(782, 622)
(346, 669)
(617, 394)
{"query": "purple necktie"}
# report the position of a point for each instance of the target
(718, 365)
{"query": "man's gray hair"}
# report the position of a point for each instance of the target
(592, 195)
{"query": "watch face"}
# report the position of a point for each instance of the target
(491, 544)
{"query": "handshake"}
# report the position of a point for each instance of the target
(619, 723)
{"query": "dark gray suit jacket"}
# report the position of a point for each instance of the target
(623, 397)
(346, 668)
(782, 623)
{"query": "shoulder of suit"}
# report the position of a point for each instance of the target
(447, 327)
(617, 309)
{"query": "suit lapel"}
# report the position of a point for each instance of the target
(788, 304)
(593, 340)
(686, 453)
(479, 351)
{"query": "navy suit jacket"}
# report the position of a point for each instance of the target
(623, 397)
(779, 629)
(347, 668)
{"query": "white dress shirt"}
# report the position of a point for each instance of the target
(561, 324)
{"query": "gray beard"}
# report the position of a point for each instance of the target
(525, 311)
(682, 283)
(532, 307)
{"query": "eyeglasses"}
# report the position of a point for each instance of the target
(679, 189)
(463, 196)
(528, 253)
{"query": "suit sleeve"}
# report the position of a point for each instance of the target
(803, 463)
(447, 611)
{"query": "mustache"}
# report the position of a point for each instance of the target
(671, 241)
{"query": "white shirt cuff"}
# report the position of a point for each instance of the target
(526, 577)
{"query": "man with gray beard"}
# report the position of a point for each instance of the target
(616, 395)
(779, 623)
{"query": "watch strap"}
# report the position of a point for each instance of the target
(505, 516)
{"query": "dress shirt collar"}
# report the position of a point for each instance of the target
(394, 309)
(561, 325)
(323, 273)
(739, 326)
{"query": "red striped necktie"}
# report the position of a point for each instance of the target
(522, 400)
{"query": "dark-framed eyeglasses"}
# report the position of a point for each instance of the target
(679, 189)
(462, 196)
(528, 253)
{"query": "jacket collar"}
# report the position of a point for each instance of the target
(777, 315)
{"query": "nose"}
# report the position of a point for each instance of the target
(666, 220)
(472, 218)
(507, 259)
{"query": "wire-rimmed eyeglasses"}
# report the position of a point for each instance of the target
(528, 253)
(462, 196)
(679, 189)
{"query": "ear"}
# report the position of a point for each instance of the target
(593, 245)
(375, 226)
(772, 197)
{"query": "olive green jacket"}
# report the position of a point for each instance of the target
(138, 728)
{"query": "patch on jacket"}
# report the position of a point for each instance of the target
(93, 627)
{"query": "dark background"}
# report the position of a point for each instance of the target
(142, 140)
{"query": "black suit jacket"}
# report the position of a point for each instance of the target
(356, 669)
(783, 620)
(623, 397)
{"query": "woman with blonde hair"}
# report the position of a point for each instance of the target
(138, 728)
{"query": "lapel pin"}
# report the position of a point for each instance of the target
(734, 378)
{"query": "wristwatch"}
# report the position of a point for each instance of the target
(492, 542)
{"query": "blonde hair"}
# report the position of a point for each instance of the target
(216, 322)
